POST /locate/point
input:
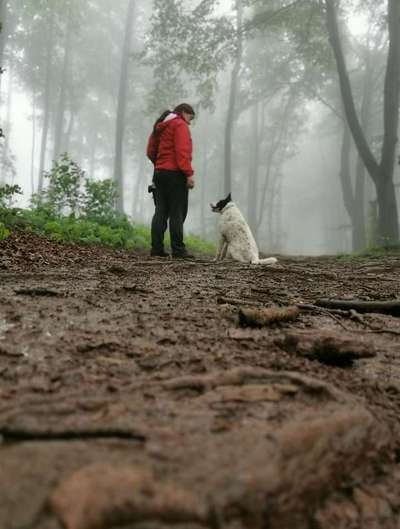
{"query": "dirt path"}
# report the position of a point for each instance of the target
(130, 396)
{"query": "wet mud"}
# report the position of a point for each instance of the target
(139, 392)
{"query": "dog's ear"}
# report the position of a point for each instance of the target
(229, 198)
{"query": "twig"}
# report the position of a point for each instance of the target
(328, 312)
(37, 291)
(383, 307)
(381, 331)
(236, 301)
(4, 352)
(22, 434)
(352, 313)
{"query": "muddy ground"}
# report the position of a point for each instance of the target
(131, 397)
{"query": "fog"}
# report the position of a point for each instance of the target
(61, 91)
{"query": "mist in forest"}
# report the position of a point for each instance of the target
(312, 167)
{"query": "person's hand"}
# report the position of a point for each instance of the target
(190, 182)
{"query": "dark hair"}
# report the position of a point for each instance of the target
(160, 119)
(184, 107)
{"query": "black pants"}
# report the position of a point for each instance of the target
(171, 201)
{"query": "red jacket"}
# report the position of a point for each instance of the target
(171, 146)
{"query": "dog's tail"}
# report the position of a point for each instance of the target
(266, 261)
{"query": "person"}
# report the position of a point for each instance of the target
(170, 150)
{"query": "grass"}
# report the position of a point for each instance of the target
(372, 252)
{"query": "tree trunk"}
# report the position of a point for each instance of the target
(253, 175)
(349, 198)
(381, 173)
(3, 12)
(388, 228)
(276, 142)
(46, 100)
(138, 184)
(352, 199)
(232, 103)
(203, 187)
(70, 128)
(122, 100)
(359, 231)
(388, 212)
(33, 145)
(59, 122)
(7, 125)
(93, 149)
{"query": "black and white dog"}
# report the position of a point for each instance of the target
(236, 240)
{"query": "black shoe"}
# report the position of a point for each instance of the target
(154, 253)
(183, 255)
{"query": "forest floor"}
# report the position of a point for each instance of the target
(132, 397)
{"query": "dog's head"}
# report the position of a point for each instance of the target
(219, 206)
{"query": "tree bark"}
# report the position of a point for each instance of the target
(232, 103)
(381, 173)
(121, 108)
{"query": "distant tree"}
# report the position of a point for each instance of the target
(276, 73)
(186, 48)
(368, 96)
(65, 79)
(2, 36)
(232, 101)
(47, 93)
(381, 172)
(121, 106)
(36, 46)
(2, 18)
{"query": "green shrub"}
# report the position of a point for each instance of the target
(7, 193)
(9, 215)
(4, 232)
(63, 195)
(77, 210)
(99, 200)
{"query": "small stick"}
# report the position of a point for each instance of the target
(384, 307)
